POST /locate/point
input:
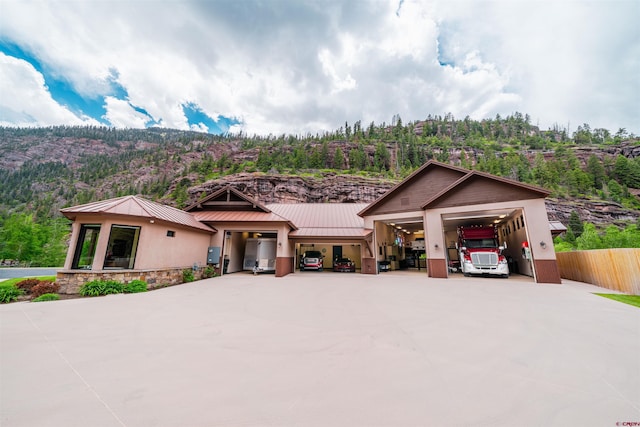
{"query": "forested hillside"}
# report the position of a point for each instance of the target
(45, 169)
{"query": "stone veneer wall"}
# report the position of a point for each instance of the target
(70, 281)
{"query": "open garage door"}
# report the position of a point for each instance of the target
(329, 256)
(250, 251)
(488, 242)
(401, 244)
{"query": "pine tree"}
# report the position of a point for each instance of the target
(575, 224)
(338, 159)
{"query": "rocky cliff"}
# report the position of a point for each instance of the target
(271, 188)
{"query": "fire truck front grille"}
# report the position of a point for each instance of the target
(484, 259)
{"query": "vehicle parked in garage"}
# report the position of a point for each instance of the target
(311, 260)
(344, 265)
(260, 255)
(480, 252)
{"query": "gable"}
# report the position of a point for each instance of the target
(227, 199)
(478, 189)
(412, 193)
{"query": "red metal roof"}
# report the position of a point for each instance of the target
(321, 215)
(137, 206)
(240, 216)
(324, 219)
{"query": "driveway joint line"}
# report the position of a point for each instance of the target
(74, 370)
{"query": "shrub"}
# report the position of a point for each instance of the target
(112, 287)
(26, 285)
(44, 287)
(135, 286)
(101, 287)
(209, 271)
(187, 275)
(46, 297)
(91, 289)
(9, 294)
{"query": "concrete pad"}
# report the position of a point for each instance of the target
(318, 349)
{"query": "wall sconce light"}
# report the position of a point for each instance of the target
(436, 246)
(151, 221)
(543, 244)
(279, 244)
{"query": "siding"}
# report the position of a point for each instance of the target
(416, 192)
(479, 190)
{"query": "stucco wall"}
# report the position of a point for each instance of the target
(187, 248)
(155, 249)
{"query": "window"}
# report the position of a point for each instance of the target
(171, 233)
(86, 247)
(122, 247)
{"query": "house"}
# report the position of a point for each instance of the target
(413, 225)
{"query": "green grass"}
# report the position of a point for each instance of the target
(10, 282)
(627, 299)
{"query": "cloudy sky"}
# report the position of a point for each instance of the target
(297, 66)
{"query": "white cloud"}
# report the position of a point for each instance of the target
(25, 100)
(121, 114)
(297, 66)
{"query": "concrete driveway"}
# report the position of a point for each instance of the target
(324, 349)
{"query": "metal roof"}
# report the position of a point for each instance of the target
(321, 215)
(240, 216)
(137, 206)
(557, 227)
(324, 219)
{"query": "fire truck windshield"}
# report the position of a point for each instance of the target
(481, 243)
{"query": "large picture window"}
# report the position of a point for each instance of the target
(86, 247)
(122, 247)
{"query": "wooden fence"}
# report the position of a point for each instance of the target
(617, 269)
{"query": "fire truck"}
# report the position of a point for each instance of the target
(479, 252)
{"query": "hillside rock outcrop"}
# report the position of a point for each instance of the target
(330, 188)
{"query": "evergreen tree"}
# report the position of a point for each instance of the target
(324, 155)
(596, 170)
(338, 159)
(382, 158)
(575, 224)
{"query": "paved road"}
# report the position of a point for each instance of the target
(12, 272)
(315, 349)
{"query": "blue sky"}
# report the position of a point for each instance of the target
(294, 66)
(93, 105)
